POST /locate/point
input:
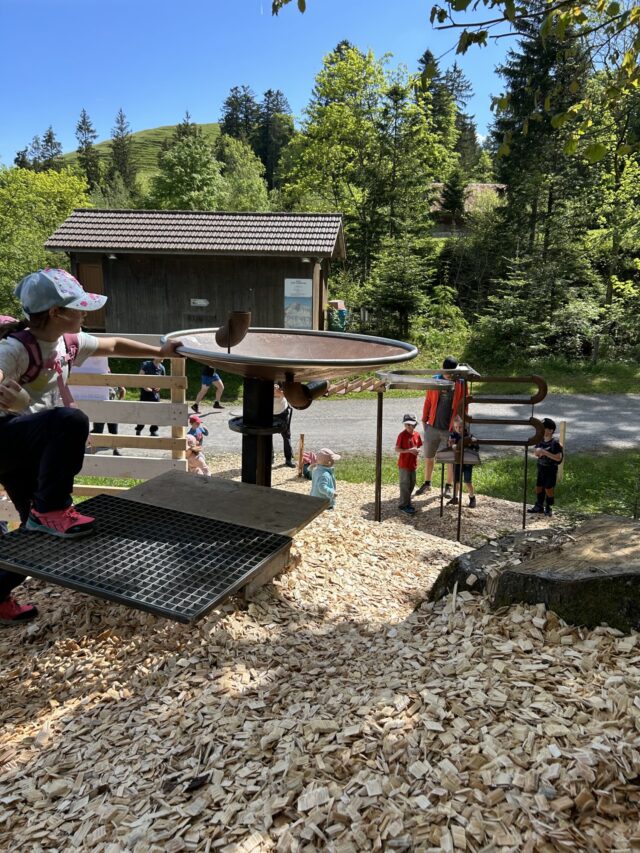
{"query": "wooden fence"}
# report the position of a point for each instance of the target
(173, 414)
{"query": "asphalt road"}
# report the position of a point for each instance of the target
(349, 426)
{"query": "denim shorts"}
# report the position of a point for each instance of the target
(209, 380)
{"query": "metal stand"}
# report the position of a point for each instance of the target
(378, 490)
(258, 430)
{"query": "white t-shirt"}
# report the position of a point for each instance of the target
(44, 393)
(280, 405)
(94, 364)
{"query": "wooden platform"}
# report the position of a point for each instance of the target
(175, 546)
(273, 510)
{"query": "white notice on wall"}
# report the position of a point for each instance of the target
(199, 303)
(298, 303)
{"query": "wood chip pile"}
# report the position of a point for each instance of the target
(328, 714)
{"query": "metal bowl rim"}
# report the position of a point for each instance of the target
(410, 351)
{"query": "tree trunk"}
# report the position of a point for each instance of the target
(593, 579)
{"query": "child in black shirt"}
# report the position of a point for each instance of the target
(470, 443)
(549, 453)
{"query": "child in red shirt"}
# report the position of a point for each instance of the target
(408, 446)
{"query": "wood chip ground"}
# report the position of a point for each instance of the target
(328, 714)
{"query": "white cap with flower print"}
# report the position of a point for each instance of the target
(54, 288)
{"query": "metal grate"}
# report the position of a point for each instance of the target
(160, 560)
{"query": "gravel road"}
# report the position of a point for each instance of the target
(602, 422)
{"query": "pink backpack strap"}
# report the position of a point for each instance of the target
(30, 343)
(72, 343)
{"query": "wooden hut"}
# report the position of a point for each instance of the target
(165, 270)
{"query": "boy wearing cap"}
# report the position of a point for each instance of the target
(323, 479)
(408, 446)
(549, 453)
(438, 412)
(37, 422)
(197, 430)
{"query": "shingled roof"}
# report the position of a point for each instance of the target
(193, 232)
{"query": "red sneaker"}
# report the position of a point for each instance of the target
(12, 613)
(67, 523)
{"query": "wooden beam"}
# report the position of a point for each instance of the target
(99, 439)
(129, 467)
(129, 380)
(131, 412)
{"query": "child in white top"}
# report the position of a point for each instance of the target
(37, 420)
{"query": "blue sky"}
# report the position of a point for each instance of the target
(158, 58)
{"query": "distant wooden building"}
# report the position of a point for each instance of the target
(170, 270)
(444, 224)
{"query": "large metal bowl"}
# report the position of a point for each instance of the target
(278, 354)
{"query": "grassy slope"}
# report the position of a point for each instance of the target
(147, 145)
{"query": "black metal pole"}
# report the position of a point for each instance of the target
(257, 411)
(378, 493)
(524, 496)
(464, 426)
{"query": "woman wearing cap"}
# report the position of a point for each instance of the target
(42, 439)
(323, 478)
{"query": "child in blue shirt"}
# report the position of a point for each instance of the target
(323, 478)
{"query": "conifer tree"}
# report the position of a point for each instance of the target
(240, 114)
(273, 132)
(88, 156)
(453, 196)
(541, 181)
(51, 152)
(122, 161)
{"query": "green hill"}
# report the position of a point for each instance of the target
(147, 145)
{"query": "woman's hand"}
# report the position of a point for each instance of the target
(13, 398)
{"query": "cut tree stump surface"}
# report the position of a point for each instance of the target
(472, 570)
(593, 578)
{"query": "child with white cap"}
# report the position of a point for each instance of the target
(323, 478)
(408, 445)
(37, 420)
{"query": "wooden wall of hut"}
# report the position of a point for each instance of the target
(155, 293)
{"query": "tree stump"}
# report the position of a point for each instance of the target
(470, 571)
(591, 580)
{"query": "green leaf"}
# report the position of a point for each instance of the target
(559, 120)
(571, 145)
(463, 42)
(613, 9)
(302, 5)
(595, 152)
(510, 10)
(504, 150)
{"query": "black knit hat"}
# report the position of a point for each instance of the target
(450, 363)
